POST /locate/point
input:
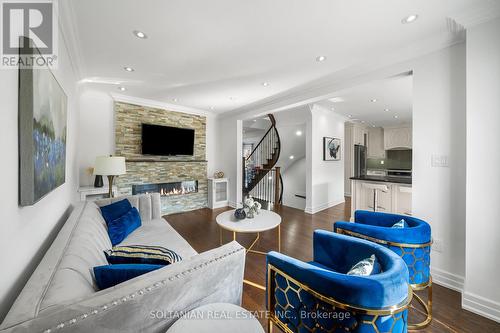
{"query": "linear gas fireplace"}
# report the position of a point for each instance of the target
(167, 189)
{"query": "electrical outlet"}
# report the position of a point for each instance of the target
(437, 246)
(439, 161)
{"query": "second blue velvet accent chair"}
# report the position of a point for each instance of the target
(412, 243)
(319, 296)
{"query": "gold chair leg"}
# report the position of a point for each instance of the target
(427, 308)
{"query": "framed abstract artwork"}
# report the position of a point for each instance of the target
(331, 149)
(42, 134)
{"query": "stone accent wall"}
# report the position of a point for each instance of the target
(160, 169)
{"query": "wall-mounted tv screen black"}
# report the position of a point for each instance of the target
(166, 140)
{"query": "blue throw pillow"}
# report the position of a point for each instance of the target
(123, 226)
(400, 224)
(115, 210)
(111, 275)
(141, 254)
(365, 267)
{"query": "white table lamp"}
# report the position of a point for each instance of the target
(110, 166)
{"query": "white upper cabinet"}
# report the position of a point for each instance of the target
(359, 133)
(376, 143)
(400, 137)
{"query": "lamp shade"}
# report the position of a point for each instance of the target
(109, 165)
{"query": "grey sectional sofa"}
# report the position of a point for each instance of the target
(61, 295)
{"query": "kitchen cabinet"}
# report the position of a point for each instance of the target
(403, 200)
(376, 142)
(397, 138)
(397, 199)
(360, 133)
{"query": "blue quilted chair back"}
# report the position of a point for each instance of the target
(318, 296)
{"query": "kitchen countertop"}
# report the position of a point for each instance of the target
(385, 179)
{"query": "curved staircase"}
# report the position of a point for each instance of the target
(261, 179)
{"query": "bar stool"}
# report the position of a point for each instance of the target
(376, 187)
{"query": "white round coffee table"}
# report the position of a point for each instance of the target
(264, 221)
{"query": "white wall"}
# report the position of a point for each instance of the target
(482, 292)
(294, 182)
(439, 128)
(326, 186)
(27, 232)
(97, 129)
(228, 155)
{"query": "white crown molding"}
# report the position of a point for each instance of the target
(160, 105)
(326, 86)
(479, 13)
(69, 34)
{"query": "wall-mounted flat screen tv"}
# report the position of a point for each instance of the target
(166, 140)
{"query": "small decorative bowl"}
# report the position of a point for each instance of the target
(240, 214)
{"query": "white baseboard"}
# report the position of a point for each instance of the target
(314, 210)
(233, 204)
(481, 306)
(447, 279)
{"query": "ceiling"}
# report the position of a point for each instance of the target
(378, 103)
(216, 55)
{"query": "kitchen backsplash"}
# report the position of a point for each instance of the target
(394, 159)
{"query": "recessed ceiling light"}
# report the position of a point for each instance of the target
(320, 58)
(386, 110)
(292, 157)
(373, 100)
(332, 108)
(396, 116)
(373, 126)
(174, 99)
(255, 120)
(265, 84)
(122, 88)
(349, 115)
(128, 69)
(212, 107)
(298, 133)
(140, 34)
(409, 19)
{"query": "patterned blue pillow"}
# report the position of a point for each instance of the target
(365, 267)
(141, 254)
(400, 224)
(110, 275)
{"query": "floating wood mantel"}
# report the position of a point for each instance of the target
(162, 160)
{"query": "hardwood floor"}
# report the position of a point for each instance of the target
(200, 230)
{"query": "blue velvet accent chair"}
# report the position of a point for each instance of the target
(318, 296)
(412, 243)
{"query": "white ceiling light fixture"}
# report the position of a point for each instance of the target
(255, 120)
(396, 116)
(320, 58)
(386, 110)
(139, 34)
(374, 126)
(292, 157)
(298, 133)
(174, 100)
(349, 115)
(373, 100)
(212, 108)
(265, 84)
(409, 19)
(336, 99)
(128, 69)
(332, 108)
(122, 88)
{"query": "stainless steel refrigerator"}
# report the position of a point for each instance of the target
(359, 160)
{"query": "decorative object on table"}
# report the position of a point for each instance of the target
(251, 207)
(98, 181)
(110, 166)
(42, 132)
(240, 214)
(412, 242)
(219, 174)
(331, 149)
